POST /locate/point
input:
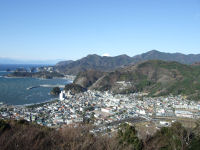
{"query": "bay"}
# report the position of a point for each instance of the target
(14, 90)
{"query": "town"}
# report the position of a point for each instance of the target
(105, 111)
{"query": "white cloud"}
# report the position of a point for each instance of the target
(106, 54)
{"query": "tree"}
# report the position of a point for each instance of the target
(55, 91)
(170, 138)
(195, 142)
(127, 136)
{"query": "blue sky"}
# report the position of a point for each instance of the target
(71, 29)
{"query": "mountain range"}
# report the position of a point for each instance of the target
(104, 63)
(155, 77)
(93, 62)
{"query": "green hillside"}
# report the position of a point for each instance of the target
(156, 77)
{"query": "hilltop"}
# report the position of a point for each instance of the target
(156, 77)
(157, 55)
(95, 62)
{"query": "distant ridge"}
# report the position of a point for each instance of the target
(157, 55)
(104, 63)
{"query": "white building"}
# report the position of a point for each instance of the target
(181, 113)
(62, 95)
(106, 110)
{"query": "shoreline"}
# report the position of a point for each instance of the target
(15, 77)
(39, 104)
(9, 75)
(31, 104)
(35, 104)
(48, 99)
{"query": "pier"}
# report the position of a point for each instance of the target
(46, 86)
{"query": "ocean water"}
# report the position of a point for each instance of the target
(14, 90)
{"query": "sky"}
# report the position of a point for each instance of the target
(71, 29)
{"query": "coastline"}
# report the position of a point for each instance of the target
(32, 105)
(15, 77)
(47, 84)
(64, 78)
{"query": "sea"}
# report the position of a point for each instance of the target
(13, 91)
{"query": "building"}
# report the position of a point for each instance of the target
(62, 95)
(181, 113)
